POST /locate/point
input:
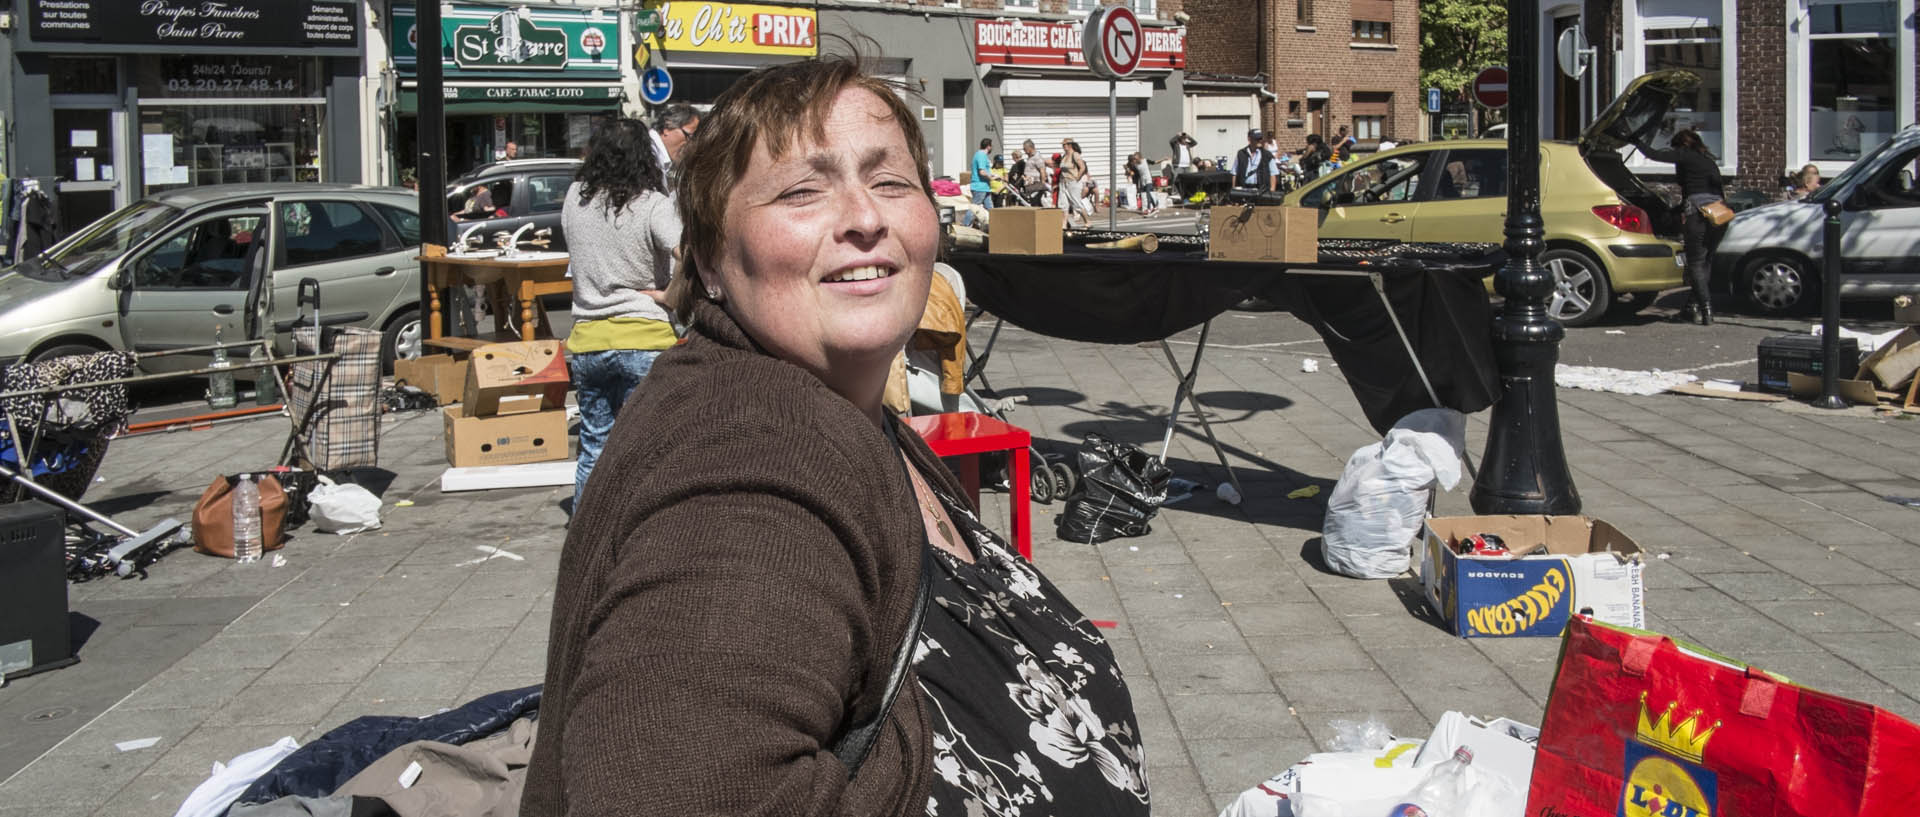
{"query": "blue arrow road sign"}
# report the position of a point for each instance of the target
(656, 85)
(1433, 100)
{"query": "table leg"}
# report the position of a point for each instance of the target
(1019, 499)
(970, 477)
(433, 303)
(526, 309)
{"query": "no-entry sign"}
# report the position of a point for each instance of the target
(1113, 42)
(1490, 87)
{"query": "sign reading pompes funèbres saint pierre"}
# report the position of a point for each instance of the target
(306, 24)
(495, 40)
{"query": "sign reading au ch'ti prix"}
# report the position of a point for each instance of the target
(1021, 42)
(495, 39)
(312, 24)
(733, 28)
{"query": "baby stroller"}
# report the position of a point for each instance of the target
(1047, 480)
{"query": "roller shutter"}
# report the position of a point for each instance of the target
(1047, 120)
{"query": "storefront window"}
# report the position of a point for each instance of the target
(82, 75)
(1853, 68)
(1697, 50)
(229, 120)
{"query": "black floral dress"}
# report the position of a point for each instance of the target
(1030, 715)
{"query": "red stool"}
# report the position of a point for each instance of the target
(967, 435)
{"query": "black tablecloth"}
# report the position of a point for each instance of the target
(1118, 297)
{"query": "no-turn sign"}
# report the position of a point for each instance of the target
(1113, 41)
(1490, 87)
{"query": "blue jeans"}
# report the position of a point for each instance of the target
(981, 198)
(602, 381)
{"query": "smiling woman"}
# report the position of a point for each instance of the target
(773, 599)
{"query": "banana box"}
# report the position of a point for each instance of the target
(1578, 565)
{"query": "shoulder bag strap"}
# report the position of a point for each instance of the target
(852, 747)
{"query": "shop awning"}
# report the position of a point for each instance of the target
(528, 97)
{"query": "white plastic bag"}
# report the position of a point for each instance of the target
(229, 780)
(344, 509)
(1381, 499)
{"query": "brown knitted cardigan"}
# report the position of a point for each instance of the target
(731, 595)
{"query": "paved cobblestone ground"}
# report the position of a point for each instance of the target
(1777, 546)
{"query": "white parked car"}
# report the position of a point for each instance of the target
(1771, 255)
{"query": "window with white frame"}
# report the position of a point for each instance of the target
(1021, 5)
(1853, 76)
(1082, 6)
(1691, 35)
(1697, 49)
(1144, 8)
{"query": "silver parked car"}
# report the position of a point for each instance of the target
(163, 272)
(1772, 255)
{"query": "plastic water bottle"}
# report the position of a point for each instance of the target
(1443, 792)
(246, 520)
(220, 390)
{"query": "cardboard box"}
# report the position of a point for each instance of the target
(509, 439)
(1859, 392)
(512, 378)
(443, 376)
(1895, 361)
(1287, 234)
(1589, 565)
(1026, 231)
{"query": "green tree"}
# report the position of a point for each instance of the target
(1457, 39)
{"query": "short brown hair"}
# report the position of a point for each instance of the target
(771, 105)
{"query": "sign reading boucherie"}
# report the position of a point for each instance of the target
(1021, 42)
(191, 23)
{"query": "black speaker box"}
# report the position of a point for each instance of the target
(34, 633)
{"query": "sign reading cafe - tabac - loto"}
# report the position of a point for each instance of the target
(191, 23)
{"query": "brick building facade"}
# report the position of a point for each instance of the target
(1322, 64)
(1808, 81)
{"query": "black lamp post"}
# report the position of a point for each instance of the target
(430, 128)
(1524, 469)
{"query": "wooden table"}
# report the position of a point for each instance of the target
(524, 280)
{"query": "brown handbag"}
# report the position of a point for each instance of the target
(1717, 213)
(213, 515)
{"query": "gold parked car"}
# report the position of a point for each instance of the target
(1606, 233)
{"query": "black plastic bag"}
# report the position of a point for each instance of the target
(1121, 488)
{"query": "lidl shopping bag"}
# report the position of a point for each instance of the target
(1640, 726)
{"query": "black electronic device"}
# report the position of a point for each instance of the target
(34, 633)
(1783, 354)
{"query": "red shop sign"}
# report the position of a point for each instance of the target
(1020, 42)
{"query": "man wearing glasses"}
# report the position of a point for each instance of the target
(671, 130)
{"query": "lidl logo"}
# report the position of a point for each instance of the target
(1662, 786)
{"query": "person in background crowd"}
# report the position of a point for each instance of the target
(479, 205)
(1182, 146)
(1253, 165)
(1141, 175)
(1073, 184)
(622, 230)
(758, 479)
(1804, 182)
(981, 169)
(1313, 158)
(1698, 173)
(511, 153)
(997, 180)
(1343, 145)
(671, 129)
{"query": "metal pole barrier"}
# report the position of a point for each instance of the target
(1113, 148)
(1524, 469)
(1830, 312)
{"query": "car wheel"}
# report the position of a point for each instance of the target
(402, 340)
(1779, 285)
(1581, 292)
(64, 350)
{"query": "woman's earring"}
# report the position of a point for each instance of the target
(713, 294)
